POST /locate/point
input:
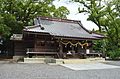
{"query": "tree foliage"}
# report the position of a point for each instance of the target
(4, 29)
(16, 14)
(106, 15)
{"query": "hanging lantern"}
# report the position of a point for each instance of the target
(65, 46)
(82, 47)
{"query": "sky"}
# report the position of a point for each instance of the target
(74, 15)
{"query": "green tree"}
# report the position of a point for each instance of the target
(4, 29)
(19, 13)
(105, 14)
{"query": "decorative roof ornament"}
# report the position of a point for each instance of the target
(39, 23)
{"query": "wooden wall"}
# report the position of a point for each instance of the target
(45, 46)
(19, 48)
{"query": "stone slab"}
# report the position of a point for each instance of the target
(89, 66)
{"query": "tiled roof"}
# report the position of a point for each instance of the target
(61, 27)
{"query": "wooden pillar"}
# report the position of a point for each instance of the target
(35, 42)
(73, 51)
(60, 49)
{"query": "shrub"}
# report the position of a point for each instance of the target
(114, 54)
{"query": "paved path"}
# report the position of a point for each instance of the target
(89, 66)
(44, 71)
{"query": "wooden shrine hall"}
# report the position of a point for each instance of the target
(59, 38)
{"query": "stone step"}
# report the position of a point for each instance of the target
(59, 61)
(39, 60)
(34, 60)
(83, 61)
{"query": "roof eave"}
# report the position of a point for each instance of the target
(75, 38)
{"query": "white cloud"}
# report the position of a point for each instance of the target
(74, 15)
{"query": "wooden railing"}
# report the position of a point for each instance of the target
(40, 50)
(32, 51)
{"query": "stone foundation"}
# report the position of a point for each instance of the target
(18, 58)
(63, 61)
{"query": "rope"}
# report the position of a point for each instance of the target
(78, 43)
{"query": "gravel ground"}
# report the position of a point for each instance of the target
(45, 71)
(117, 63)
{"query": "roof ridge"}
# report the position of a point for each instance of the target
(59, 19)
